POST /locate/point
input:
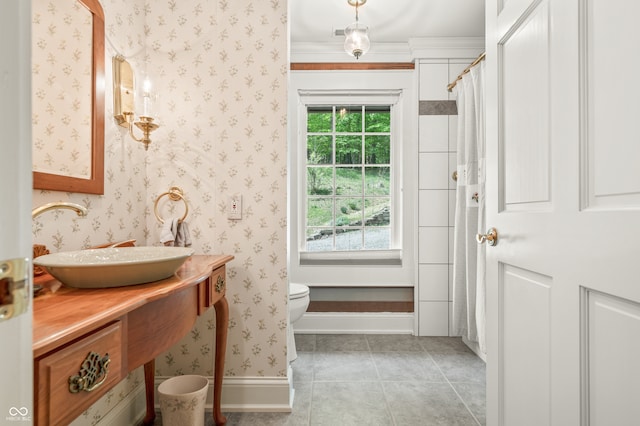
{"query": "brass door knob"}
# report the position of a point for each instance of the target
(491, 237)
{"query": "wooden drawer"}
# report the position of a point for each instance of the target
(217, 284)
(56, 404)
(211, 290)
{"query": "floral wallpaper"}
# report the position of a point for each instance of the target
(222, 66)
(220, 72)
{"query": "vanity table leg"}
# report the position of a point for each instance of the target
(222, 324)
(149, 376)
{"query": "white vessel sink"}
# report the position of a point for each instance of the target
(114, 267)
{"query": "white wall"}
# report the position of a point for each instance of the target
(357, 275)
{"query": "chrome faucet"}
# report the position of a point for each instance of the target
(82, 211)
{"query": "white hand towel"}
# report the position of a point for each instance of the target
(183, 239)
(169, 231)
(166, 235)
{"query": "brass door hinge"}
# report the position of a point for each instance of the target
(14, 291)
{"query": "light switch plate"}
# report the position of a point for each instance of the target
(234, 207)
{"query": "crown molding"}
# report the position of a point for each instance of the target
(446, 47)
(415, 48)
(334, 52)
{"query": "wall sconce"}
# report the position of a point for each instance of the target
(123, 101)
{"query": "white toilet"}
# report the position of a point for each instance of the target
(298, 304)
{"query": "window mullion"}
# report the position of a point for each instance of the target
(334, 229)
(339, 166)
(362, 171)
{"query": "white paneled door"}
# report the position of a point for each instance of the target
(563, 192)
(16, 356)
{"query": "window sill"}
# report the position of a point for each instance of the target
(364, 258)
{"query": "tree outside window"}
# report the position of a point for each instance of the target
(348, 178)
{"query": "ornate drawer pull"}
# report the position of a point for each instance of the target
(219, 284)
(92, 374)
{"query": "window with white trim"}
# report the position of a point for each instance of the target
(350, 179)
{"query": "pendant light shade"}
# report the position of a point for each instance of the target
(356, 42)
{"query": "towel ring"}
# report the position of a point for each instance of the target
(175, 194)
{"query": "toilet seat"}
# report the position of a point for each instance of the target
(297, 291)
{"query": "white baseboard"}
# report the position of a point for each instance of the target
(133, 407)
(355, 323)
(265, 394)
(250, 394)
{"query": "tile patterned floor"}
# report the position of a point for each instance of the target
(386, 380)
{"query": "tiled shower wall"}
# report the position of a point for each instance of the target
(436, 192)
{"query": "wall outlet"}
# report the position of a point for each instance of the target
(234, 207)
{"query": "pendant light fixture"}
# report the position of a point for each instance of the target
(356, 42)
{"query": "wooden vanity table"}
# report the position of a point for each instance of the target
(85, 341)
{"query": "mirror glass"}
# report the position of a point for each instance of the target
(68, 95)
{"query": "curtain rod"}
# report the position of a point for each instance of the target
(466, 70)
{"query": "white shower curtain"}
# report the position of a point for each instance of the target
(469, 256)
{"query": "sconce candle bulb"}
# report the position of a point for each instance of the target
(146, 86)
(146, 97)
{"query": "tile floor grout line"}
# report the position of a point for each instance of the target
(313, 378)
(380, 382)
(464, 403)
(366, 339)
(454, 390)
(310, 402)
(386, 401)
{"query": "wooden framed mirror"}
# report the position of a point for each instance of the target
(68, 96)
